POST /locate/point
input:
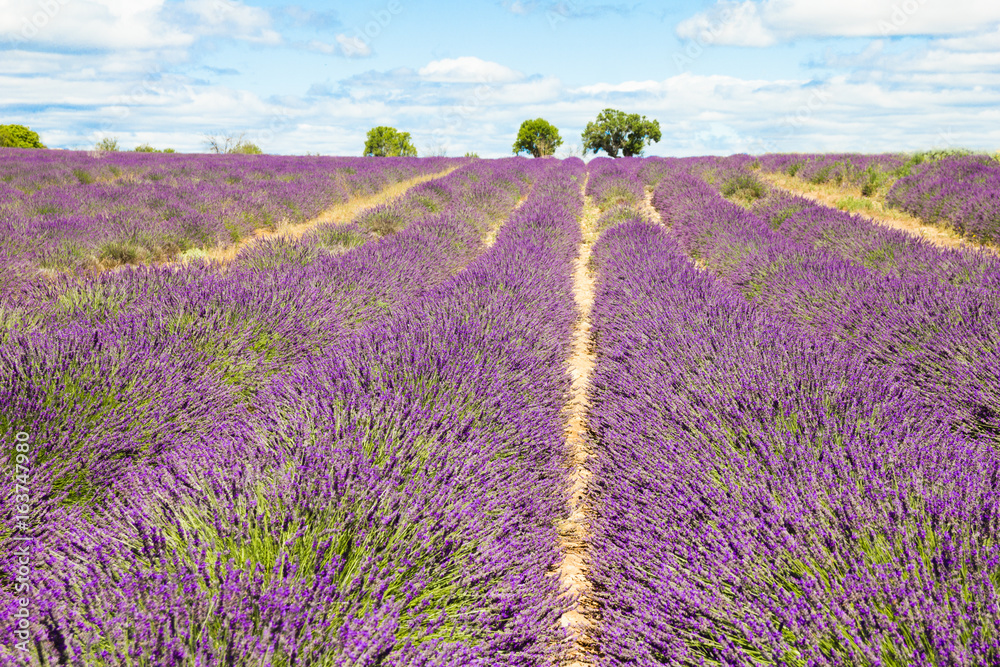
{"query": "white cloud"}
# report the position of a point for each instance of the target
(869, 18)
(546, 89)
(623, 87)
(988, 41)
(518, 7)
(131, 24)
(730, 23)
(102, 24)
(468, 69)
(765, 22)
(233, 19)
(353, 47)
(15, 62)
(346, 45)
(917, 100)
(941, 61)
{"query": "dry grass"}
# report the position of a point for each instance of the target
(341, 213)
(648, 209)
(491, 236)
(847, 198)
(490, 239)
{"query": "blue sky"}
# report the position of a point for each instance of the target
(721, 77)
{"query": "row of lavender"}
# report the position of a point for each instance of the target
(121, 368)
(958, 191)
(622, 181)
(70, 210)
(618, 187)
(935, 317)
(855, 169)
(764, 496)
(392, 501)
(458, 208)
(854, 237)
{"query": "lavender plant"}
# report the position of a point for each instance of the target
(764, 496)
(72, 210)
(958, 192)
(392, 503)
(941, 337)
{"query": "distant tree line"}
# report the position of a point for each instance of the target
(215, 143)
(230, 143)
(21, 136)
(111, 145)
(615, 132)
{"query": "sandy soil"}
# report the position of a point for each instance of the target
(647, 207)
(491, 235)
(341, 213)
(573, 535)
(828, 194)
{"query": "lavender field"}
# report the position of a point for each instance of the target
(764, 431)
(79, 209)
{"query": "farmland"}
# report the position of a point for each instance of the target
(264, 410)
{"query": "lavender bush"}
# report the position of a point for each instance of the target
(70, 210)
(869, 173)
(763, 496)
(347, 448)
(940, 337)
(393, 493)
(960, 192)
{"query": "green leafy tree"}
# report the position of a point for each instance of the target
(538, 138)
(19, 136)
(385, 141)
(617, 132)
(107, 144)
(247, 148)
(146, 148)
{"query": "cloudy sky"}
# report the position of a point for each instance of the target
(721, 76)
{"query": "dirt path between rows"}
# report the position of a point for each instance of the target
(829, 195)
(491, 236)
(647, 207)
(573, 534)
(340, 213)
